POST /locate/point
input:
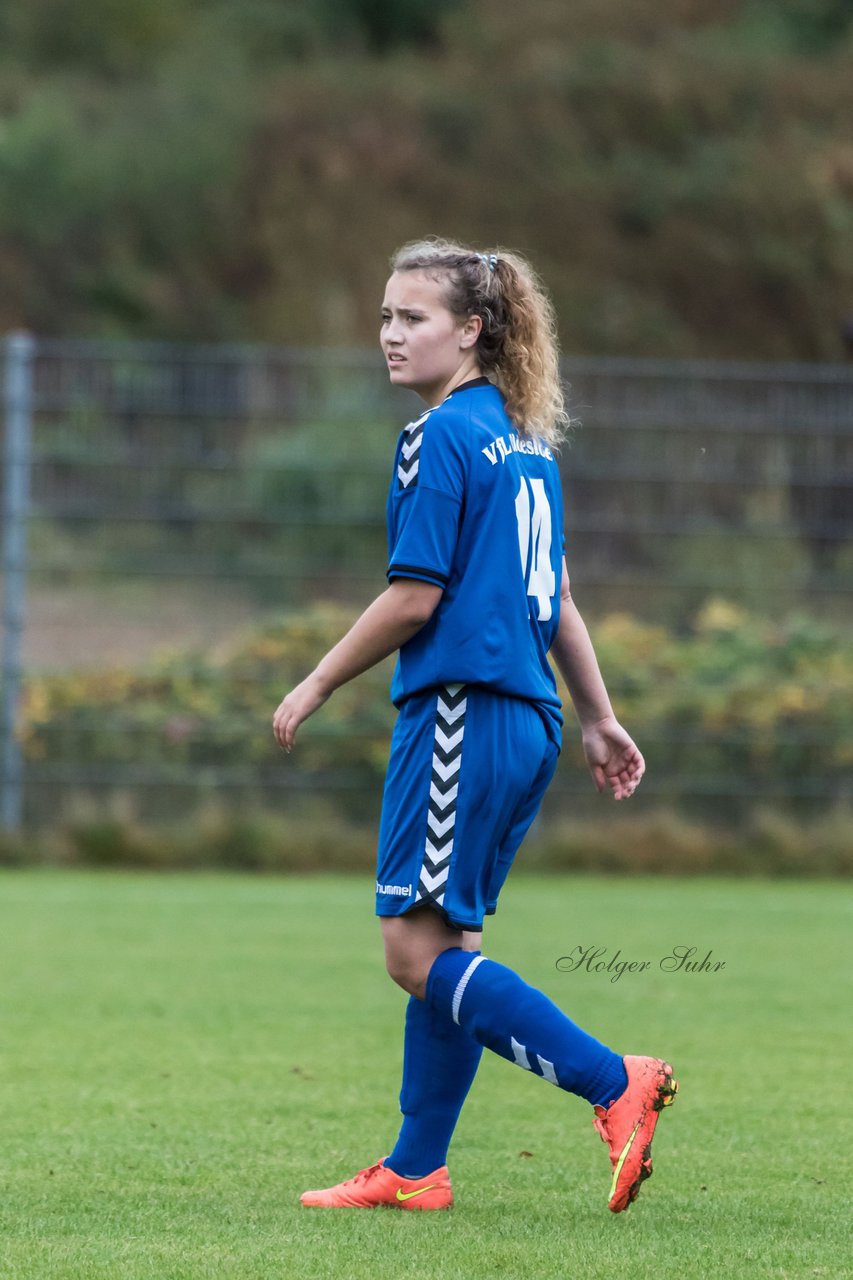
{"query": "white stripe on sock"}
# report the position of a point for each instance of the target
(461, 985)
(548, 1072)
(520, 1054)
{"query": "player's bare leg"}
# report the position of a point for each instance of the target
(441, 1063)
(412, 942)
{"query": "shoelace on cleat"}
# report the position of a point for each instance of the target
(364, 1175)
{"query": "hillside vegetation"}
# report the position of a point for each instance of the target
(681, 173)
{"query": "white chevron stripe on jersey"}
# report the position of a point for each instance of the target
(443, 800)
(407, 469)
(451, 714)
(412, 426)
(406, 476)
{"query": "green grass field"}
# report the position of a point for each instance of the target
(182, 1055)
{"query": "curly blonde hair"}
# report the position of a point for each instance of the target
(517, 346)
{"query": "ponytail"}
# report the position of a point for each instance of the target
(517, 347)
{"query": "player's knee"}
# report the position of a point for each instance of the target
(407, 960)
(411, 944)
(405, 969)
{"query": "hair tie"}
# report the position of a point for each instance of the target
(490, 259)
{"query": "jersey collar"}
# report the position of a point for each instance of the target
(467, 386)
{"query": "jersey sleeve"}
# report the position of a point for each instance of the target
(430, 491)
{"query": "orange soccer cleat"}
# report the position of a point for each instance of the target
(376, 1186)
(628, 1124)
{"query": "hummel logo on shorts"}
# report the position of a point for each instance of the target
(395, 890)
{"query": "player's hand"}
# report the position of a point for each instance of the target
(299, 704)
(613, 758)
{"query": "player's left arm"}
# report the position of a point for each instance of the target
(611, 753)
(386, 624)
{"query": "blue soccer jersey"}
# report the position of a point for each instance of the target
(476, 508)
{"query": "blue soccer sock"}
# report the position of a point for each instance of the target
(499, 1010)
(440, 1061)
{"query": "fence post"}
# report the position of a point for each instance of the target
(18, 409)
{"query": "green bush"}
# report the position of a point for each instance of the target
(732, 713)
(658, 842)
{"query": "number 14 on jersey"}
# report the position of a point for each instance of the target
(534, 543)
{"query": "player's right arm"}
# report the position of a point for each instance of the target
(611, 753)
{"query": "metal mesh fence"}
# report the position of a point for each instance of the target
(664, 457)
(175, 494)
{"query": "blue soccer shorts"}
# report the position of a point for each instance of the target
(466, 776)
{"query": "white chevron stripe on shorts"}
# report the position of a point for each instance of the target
(444, 771)
(441, 827)
(442, 801)
(443, 793)
(432, 883)
(448, 743)
(451, 715)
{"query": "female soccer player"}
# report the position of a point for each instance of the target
(478, 596)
